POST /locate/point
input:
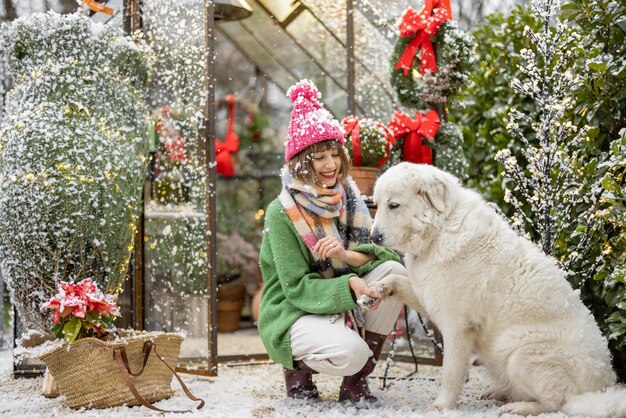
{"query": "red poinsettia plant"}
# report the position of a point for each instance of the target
(82, 310)
(173, 144)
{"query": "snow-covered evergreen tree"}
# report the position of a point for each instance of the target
(71, 156)
(547, 188)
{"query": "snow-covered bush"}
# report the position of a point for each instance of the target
(558, 132)
(609, 284)
(71, 157)
(600, 103)
(483, 107)
(545, 185)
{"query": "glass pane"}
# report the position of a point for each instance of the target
(321, 45)
(283, 57)
(257, 53)
(176, 296)
(332, 14)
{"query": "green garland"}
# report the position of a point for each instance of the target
(449, 153)
(455, 58)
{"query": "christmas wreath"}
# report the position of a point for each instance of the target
(420, 76)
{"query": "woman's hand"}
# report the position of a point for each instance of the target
(360, 287)
(330, 246)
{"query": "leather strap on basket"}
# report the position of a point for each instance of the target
(147, 347)
(120, 356)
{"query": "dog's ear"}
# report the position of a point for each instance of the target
(436, 195)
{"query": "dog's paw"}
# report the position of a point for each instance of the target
(436, 407)
(366, 301)
(524, 408)
(493, 394)
(441, 404)
(380, 288)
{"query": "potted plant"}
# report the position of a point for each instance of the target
(369, 143)
(89, 349)
(237, 272)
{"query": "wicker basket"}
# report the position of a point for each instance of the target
(90, 376)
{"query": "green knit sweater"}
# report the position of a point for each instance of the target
(291, 289)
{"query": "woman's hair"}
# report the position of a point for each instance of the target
(301, 165)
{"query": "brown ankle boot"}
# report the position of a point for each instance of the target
(300, 383)
(355, 388)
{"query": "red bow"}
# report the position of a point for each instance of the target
(225, 149)
(424, 124)
(422, 25)
(351, 125)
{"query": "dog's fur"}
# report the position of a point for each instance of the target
(493, 293)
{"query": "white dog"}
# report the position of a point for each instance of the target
(493, 293)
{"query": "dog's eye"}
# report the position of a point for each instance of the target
(393, 206)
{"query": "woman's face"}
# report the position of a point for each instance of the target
(326, 165)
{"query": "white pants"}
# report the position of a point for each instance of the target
(334, 349)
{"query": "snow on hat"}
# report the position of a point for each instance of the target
(310, 122)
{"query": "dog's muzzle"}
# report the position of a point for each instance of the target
(376, 237)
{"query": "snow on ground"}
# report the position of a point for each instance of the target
(258, 391)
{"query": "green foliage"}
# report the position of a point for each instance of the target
(454, 50)
(599, 106)
(601, 100)
(94, 325)
(253, 136)
(609, 284)
(486, 103)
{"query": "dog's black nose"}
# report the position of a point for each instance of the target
(376, 237)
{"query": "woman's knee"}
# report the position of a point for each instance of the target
(387, 268)
(358, 353)
(394, 267)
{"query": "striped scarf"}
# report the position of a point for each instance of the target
(313, 210)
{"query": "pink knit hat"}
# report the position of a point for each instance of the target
(310, 122)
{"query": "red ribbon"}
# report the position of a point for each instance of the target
(424, 125)
(225, 149)
(351, 124)
(422, 26)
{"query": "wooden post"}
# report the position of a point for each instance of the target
(350, 56)
(208, 135)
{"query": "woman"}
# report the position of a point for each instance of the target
(316, 261)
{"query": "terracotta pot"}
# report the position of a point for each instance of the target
(228, 315)
(230, 299)
(365, 178)
(256, 305)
